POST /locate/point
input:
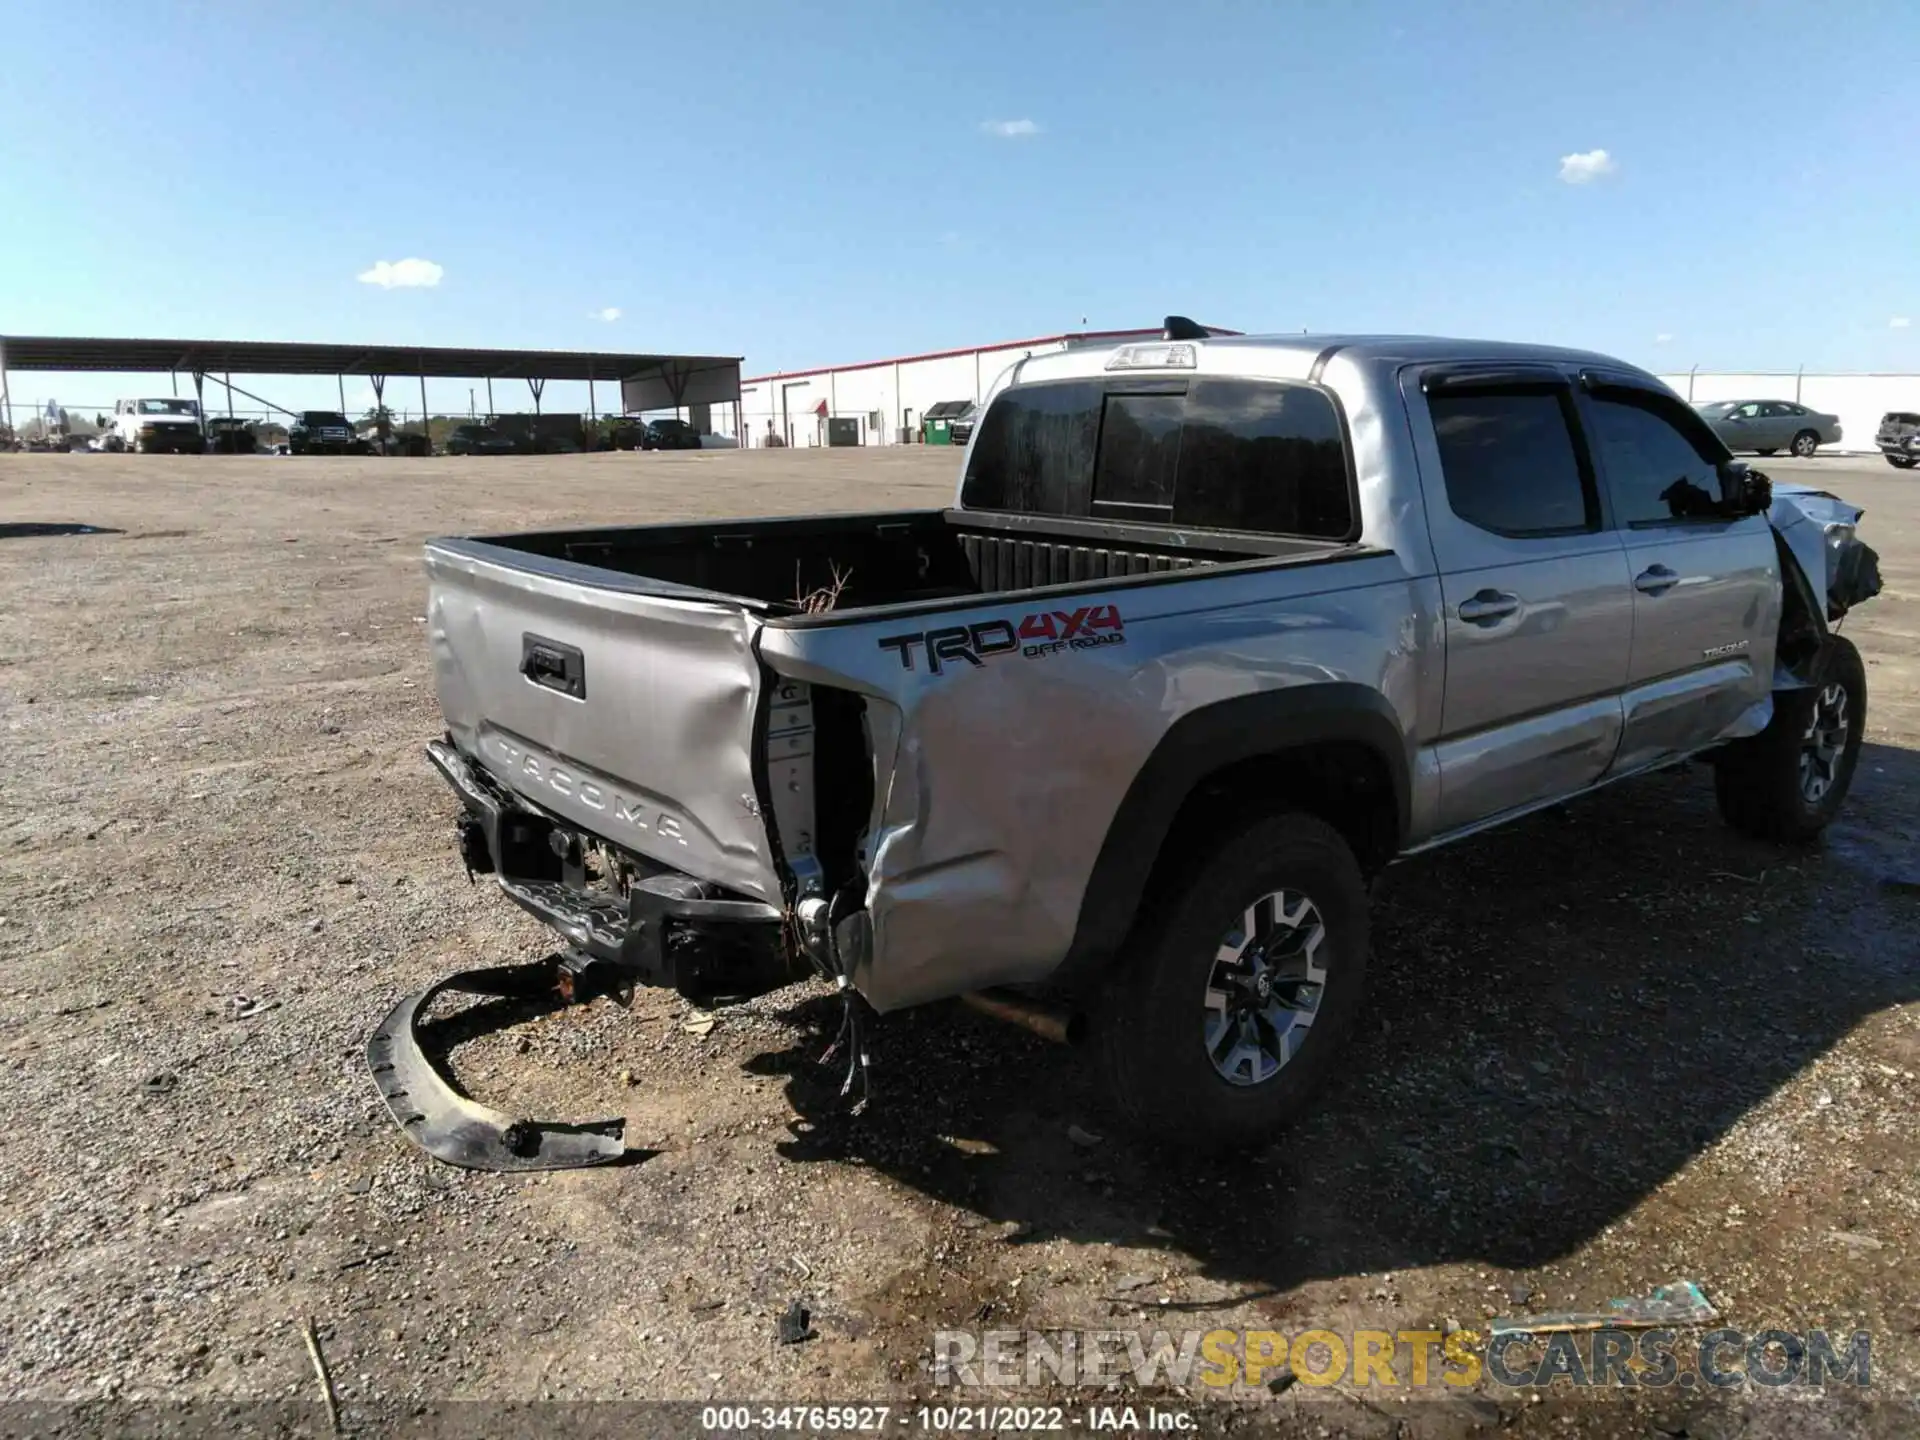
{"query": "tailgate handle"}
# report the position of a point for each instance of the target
(556, 666)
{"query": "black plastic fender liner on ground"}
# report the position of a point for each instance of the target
(450, 1127)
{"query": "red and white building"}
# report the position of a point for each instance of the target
(885, 400)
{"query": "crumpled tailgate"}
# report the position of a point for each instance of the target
(627, 712)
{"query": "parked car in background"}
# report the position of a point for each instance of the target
(624, 432)
(229, 435)
(410, 443)
(320, 432)
(1768, 426)
(162, 426)
(479, 440)
(962, 429)
(1899, 438)
(672, 434)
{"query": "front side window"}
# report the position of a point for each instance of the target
(1654, 472)
(1509, 462)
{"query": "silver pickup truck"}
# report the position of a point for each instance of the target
(1216, 629)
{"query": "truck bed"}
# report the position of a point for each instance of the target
(870, 560)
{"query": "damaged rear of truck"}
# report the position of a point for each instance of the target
(1211, 635)
(669, 738)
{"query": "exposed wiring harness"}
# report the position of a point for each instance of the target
(853, 1037)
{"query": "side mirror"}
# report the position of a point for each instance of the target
(1744, 490)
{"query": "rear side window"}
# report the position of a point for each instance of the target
(1510, 463)
(1654, 472)
(1221, 454)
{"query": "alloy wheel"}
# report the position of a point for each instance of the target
(1264, 988)
(1824, 743)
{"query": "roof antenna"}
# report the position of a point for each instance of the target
(1179, 327)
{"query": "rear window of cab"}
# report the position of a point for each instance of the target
(1207, 452)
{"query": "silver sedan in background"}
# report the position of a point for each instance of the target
(1770, 425)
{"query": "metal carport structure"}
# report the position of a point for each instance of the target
(647, 382)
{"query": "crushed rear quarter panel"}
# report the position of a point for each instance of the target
(997, 781)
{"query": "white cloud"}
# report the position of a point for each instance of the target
(1586, 167)
(1899, 322)
(1010, 129)
(1662, 338)
(610, 314)
(405, 274)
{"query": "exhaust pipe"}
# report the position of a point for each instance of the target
(1049, 1022)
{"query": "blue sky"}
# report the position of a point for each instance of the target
(803, 184)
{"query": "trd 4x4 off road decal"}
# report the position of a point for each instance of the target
(1042, 633)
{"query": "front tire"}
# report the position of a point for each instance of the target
(1900, 462)
(1226, 1010)
(1805, 443)
(1787, 783)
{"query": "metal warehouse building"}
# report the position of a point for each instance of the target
(885, 402)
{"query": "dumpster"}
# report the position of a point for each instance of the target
(937, 424)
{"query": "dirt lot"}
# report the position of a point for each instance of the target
(1609, 1047)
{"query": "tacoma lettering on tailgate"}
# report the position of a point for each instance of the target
(543, 772)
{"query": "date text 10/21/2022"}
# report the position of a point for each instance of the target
(959, 1419)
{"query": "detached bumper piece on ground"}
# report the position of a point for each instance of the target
(438, 1118)
(612, 944)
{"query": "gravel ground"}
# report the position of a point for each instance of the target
(1610, 1046)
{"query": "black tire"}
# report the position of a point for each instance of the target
(1767, 452)
(1759, 783)
(1805, 443)
(1150, 1025)
(1900, 462)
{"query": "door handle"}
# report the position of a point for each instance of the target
(553, 665)
(1655, 580)
(1486, 606)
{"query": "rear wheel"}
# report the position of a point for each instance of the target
(1900, 462)
(1226, 1011)
(1787, 783)
(1805, 443)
